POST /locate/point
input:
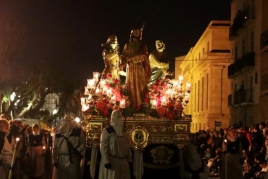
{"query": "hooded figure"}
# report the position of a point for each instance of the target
(69, 143)
(115, 150)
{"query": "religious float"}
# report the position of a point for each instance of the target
(157, 127)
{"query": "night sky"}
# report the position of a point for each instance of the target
(68, 34)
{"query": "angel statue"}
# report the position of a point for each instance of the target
(111, 58)
(158, 62)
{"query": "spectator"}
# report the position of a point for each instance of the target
(257, 140)
(248, 169)
(7, 146)
(35, 151)
(233, 153)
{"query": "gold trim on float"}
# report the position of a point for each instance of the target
(170, 166)
(161, 154)
(139, 138)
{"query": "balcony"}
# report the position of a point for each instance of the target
(264, 83)
(231, 71)
(245, 63)
(243, 97)
(264, 41)
(238, 22)
(248, 61)
(249, 14)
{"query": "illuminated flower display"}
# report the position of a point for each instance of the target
(165, 98)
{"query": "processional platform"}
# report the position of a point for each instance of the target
(156, 142)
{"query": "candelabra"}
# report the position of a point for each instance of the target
(102, 94)
(169, 97)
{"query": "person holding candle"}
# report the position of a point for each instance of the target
(35, 151)
(7, 146)
(231, 167)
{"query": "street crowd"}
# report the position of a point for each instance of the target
(236, 152)
(28, 152)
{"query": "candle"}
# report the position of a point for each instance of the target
(163, 101)
(113, 99)
(102, 83)
(17, 139)
(180, 78)
(188, 87)
(44, 148)
(96, 75)
(90, 83)
(153, 104)
(122, 104)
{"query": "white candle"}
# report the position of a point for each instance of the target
(122, 104)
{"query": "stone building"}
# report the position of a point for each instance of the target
(205, 67)
(248, 71)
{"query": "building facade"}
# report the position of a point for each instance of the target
(264, 60)
(205, 67)
(248, 70)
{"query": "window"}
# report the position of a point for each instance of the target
(256, 77)
(243, 47)
(251, 42)
(236, 53)
(250, 99)
(199, 56)
(208, 47)
(203, 51)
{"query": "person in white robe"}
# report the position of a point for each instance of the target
(69, 143)
(115, 150)
(7, 146)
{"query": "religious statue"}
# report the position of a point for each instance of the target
(158, 62)
(111, 58)
(135, 58)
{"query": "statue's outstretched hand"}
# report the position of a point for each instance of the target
(170, 73)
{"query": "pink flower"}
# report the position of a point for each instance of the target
(109, 75)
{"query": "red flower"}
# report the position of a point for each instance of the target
(117, 94)
(107, 85)
(108, 76)
(146, 100)
(170, 114)
(104, 111)
(138, 107)
(161, 111)
(116, 81)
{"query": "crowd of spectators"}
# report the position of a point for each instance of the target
(9, 131)
(252, 150)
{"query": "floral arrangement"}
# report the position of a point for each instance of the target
(165, 99)
(102, 96)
